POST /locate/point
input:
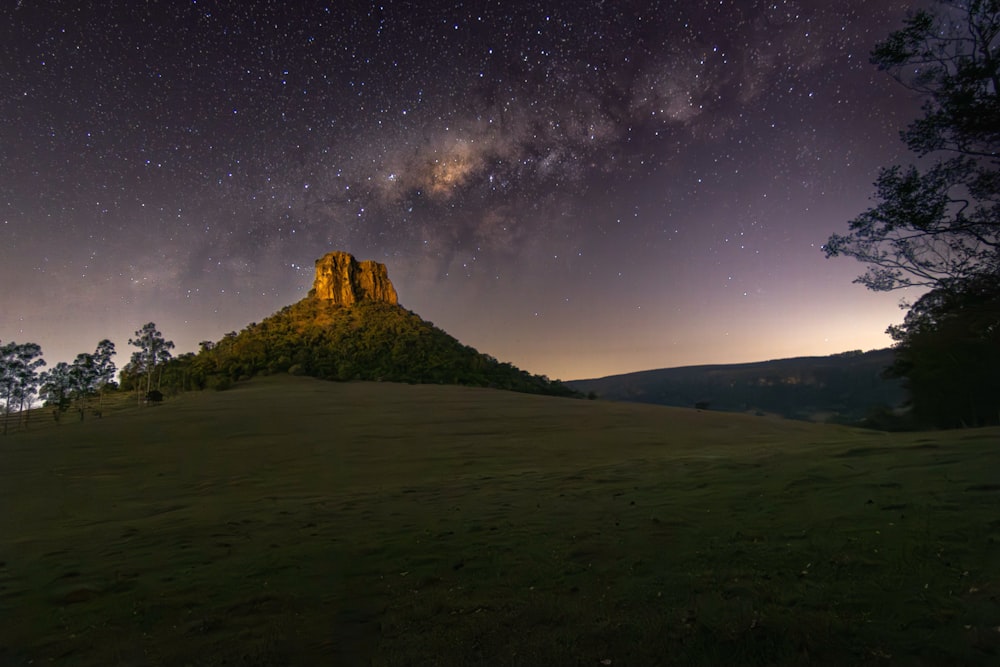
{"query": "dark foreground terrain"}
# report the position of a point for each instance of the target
(296, 522)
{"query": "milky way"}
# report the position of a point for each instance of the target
(578, 187)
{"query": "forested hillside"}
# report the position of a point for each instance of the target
(845, 387)
(366, 341)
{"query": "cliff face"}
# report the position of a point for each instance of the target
(343, 280)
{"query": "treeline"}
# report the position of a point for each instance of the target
(22, 381)
(19, 378)
(946, 354)
(367, 341)
(82, 384)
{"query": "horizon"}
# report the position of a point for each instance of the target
(575, 213)
(124, 348)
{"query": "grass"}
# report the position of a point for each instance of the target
(296, 522)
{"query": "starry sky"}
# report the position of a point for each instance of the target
(579, 187)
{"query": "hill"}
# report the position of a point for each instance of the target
(365, 341)
(296, 522)
(843, 387)
(350, 327)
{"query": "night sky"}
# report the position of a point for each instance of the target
(580, 188)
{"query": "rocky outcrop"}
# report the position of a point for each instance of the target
(343, 280)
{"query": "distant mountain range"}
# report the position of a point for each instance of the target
(842, 388)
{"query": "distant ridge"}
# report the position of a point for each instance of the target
(843, 387)
(351, 327)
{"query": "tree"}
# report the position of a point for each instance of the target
(153, 352)
(57, 386)
(938, 226)
(104, 367)
(132, 373)
(948, 350)
(163, 357)
(19, 364)
(83, 380)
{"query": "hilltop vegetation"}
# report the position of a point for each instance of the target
(368, 340)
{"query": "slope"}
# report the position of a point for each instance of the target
(291, 521)
(369, 340)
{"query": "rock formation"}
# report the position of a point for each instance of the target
(343, 280)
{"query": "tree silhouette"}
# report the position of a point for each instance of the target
(57, 386)
(104, 367)
(938, 226)
(84, 376)
(153, 352)
(949, 352)
(19, 379)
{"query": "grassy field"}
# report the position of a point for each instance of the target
(295, 522)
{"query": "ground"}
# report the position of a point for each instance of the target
(292, 521)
